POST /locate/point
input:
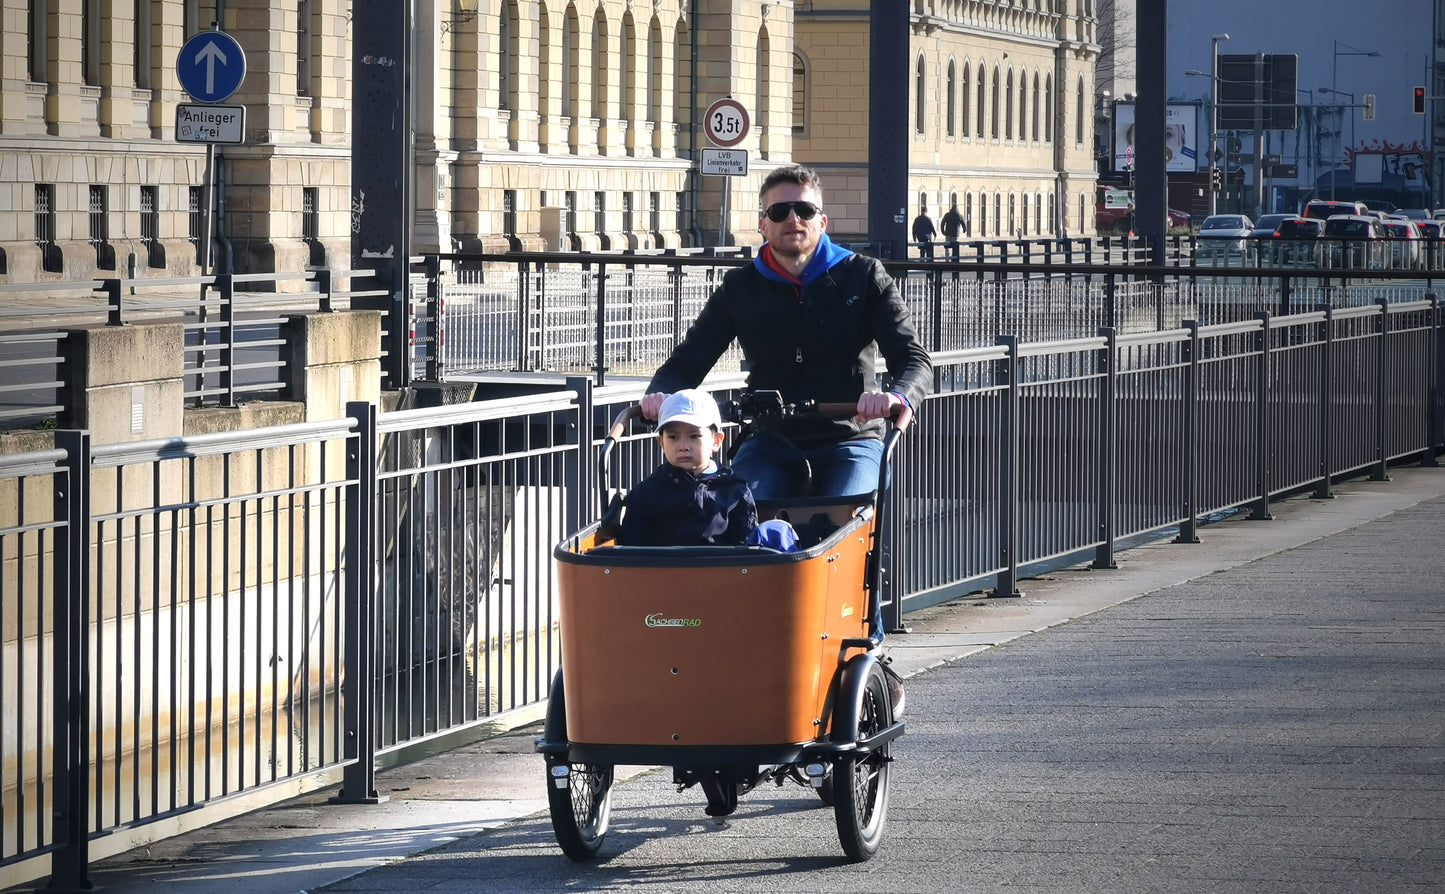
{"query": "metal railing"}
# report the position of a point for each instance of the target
(193, 619)
(235, 346)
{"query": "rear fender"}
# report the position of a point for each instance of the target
(848, 701)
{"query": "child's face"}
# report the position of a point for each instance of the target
(687, 446)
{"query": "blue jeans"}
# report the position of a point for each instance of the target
(774, 467)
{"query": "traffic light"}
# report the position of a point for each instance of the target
(1216, 179)
(1419, 100)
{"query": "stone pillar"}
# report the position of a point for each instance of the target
(333, 358)
(126, 382)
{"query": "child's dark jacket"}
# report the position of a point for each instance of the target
(671, 507)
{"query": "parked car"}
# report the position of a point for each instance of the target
(1414, 213)
(1352, 240)
(1225, 232)
(1298, 241)
(1432, 241)
(1119, 221)
(1324, 209)
(1265, 227)
(1404, 243)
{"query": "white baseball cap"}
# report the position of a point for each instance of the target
(692, 406)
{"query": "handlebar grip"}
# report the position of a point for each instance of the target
(619, 424)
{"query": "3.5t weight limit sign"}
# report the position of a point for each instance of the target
(726, 122)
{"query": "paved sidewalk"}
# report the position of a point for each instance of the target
(306, 843)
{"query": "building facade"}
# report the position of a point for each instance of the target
(540, 124)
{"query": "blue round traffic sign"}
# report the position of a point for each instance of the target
(211, 66)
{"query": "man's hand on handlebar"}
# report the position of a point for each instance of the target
(651, 404)
(877, 405)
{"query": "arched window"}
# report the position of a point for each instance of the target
(1008, 118)
(682, 85)
(627, 95)
(655, 89)
(599, 66)
(800, 94)
(948, 93)
(1023, 105)
(1048, 108)
(994, 103)
(982, 88)
(982, 215)
(919, 96)
(1079, 114)
(571, 65)
(1053, 214)
(997, 213)
(966, 97)
(504, 64)
(545, 87)
(1013, 227)
(1035, 108)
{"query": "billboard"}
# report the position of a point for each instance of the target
(1182, 144)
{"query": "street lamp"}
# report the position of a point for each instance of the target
(1334, 85)
(1340, 108)
(1214, 40)
(1213, 76)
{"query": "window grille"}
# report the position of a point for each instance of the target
(150, 221)
(99, 224)
(311, 225)
(196, 221)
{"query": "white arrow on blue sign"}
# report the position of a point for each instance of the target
(211, 66)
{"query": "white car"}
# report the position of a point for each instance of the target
(1226, 232)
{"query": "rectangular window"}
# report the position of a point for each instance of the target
(681, 223)
(599, 213)
(303, 47)
(99, 225)
(654, 213)
(627, 212)
(150, 220)
(509, 212)
(311, 225)
(569, 217)
(44, 214)
(196, 220)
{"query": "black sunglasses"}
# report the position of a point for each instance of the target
(779, 211)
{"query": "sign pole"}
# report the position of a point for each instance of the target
(722, 223)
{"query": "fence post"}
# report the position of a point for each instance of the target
(115, 315)
(1108, 394)
(1008, 538)
(226, 284)
(434, 313)
(936, 279)
(1324, 490)
(323, 289)
(601, 325)
(70, 663)
(358, 683)
(1382, 396)
(1434, 436)
(579, 468)
(1189, 527)
(677, 276)
(524, 314)
(1111, 318)
(1260, 510)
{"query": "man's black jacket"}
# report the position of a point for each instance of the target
(819, 341)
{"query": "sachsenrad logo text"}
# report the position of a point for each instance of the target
(657, 619)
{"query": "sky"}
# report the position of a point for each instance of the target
(1401, 30)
